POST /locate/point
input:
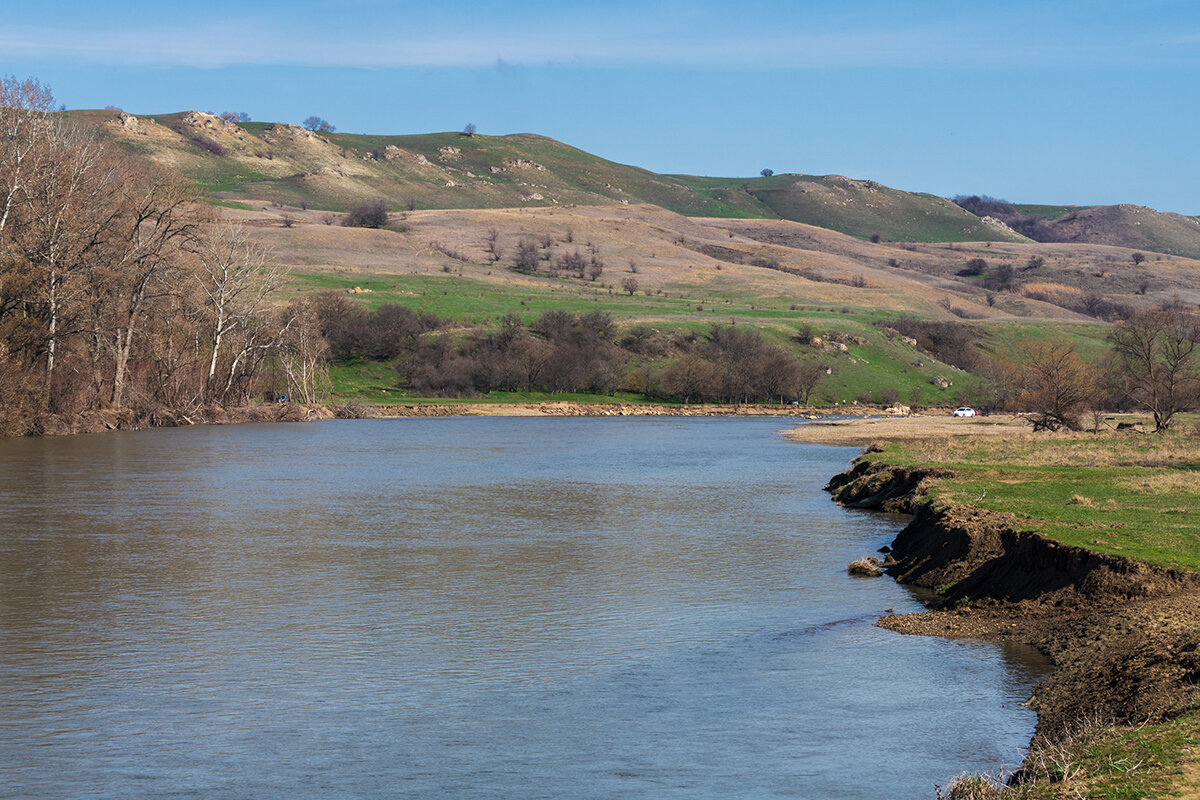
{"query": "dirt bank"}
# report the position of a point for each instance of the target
(572, 409)
(97, 421)
(129, 420)
(1123, 636)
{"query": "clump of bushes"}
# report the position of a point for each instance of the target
(367, 215)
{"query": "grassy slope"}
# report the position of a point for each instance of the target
(860, 208)
(860, 373)
(1134, 227)
(1044, 210)
(280, 163)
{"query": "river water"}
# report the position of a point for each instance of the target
(468, 608)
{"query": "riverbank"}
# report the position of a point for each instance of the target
(1030, 540)
(575, 409)
(127, 419)
(130, 420)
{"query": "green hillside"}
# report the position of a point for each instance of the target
(862, 208)
(286, 164)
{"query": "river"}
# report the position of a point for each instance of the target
(469, 608)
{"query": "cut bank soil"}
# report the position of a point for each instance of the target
(1123, 636)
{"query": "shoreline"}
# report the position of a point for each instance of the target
(1122, 636)
(129, 420)
(569, 408)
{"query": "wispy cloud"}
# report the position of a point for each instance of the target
(631, 38)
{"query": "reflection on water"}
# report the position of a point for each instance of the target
(483, 608)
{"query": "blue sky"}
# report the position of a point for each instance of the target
(1068, 102)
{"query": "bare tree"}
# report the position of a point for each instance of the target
(159, 219)
(527, 259)
(235, 277)
(629, 284)
(1137, 258)
(808, 376)
(315, 123)
(469, 129)
(25, 126)
(1056, 387)
(692, 377)
(1157, 362)
(494, 249)
(303, 352)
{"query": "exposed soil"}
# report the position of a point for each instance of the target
(1123, 636)
(128, 420)
(572, 409)
(97, 421)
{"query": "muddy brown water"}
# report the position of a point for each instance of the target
(468, 608)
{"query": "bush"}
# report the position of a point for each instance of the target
(209, 146)
(367, 215)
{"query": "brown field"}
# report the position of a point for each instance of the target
(697, 257)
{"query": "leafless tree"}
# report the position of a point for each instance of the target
(808, 377)
(526, 259)
(1056, 387)
(629, 284)
(1157, 362)
(159, 220)
(235, 277)
(692, 377)
(303, 352)
(494, 249)
(315, 123)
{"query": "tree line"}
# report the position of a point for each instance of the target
(1152, 364)
(118, 289)
(563, 352)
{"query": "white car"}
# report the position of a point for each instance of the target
(964, 411)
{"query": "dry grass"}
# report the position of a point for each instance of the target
(1056, 293)
(940, 437)
(865, 567)
(1181, 482)
(1174, 451)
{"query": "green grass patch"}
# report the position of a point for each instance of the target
(1128, 494)
(1102, 763)
(862, 374)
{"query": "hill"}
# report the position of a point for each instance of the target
(1123, 225)
(287, 164)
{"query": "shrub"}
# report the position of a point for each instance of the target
(209, 146)
(367, 215)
